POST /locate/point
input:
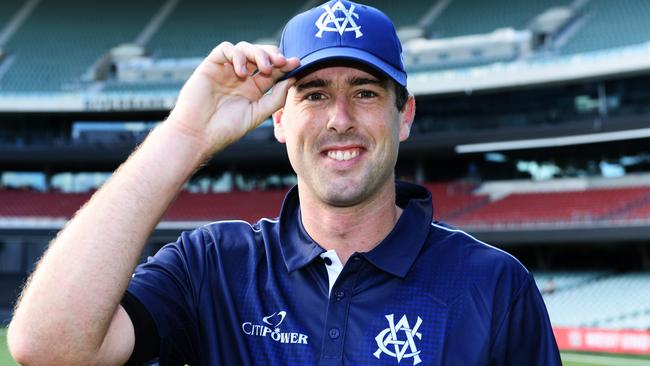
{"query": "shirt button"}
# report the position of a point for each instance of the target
(356, 258)
(340, 294)
(334, 333)
(327, 261)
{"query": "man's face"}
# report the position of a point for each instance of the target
(342, 132)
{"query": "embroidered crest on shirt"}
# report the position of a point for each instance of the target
(398, 340)
(329, 22)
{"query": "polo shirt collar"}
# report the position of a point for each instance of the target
(395, 254)
(298, 248)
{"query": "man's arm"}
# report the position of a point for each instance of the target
(69, 312)
(525, 335)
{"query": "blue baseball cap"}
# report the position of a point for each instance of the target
(343, 30)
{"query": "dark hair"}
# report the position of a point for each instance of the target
(401, 96)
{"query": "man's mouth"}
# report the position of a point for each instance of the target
(343, 155)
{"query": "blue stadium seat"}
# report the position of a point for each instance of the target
(464, 17)
(610, 24)
(8, 9)
(61, 39)
(615, 301)
(402, 13)
(196, 26)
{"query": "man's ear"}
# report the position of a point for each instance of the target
(406, 118)
(278, 126)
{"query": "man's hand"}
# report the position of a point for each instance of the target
(226, 95)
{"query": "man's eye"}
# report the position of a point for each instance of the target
(367, 94)
(315, 96)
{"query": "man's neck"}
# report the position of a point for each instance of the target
(347, 230)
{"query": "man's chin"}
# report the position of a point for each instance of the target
(344, 194)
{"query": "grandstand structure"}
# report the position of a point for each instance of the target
(531, 129)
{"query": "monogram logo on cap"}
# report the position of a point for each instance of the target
(329, 22)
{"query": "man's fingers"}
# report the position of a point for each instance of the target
(262, 60)
(271, 49)
(265, 81)
(247, 58)
(239, 62)
(290, 64)
(221, 54)
(274, 100)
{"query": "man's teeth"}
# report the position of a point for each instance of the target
(341, 156)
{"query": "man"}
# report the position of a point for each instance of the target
(353, 272)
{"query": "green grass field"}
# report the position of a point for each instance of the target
(568, 358)
(5, 358)
(599, 359)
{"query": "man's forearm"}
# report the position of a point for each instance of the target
(73, 295)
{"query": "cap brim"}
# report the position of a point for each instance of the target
(348, 53)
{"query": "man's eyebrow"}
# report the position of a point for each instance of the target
(357, 81)
(316, 83)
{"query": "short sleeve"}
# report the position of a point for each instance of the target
(525, 335)
(166, 286)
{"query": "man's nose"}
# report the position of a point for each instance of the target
(340, 117)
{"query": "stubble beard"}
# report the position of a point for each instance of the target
(348, 191)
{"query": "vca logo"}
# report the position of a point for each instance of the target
(329, 22)
(398, 340)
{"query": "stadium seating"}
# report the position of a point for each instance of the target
(453, 202)
(250, 206)
(452, 199)
(402, 13)
(50, 51)
(611, 24)
(623, 302)
(195, 27)
(7, 9)
(141, 87)
(640, 212)
(449, 199)
(18, 203)
(487, 16)
(557, 207)
(563, 280)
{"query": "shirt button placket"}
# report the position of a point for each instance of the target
(339, 295)
(337, 314)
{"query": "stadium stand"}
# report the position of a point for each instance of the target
(451, 199)
(640, 212)
(609, 25)
(402, 13)
(47, 53)
(249, 206)
(624, 302)
(465, 17)
(7, 9)
(51, 54)
(549, 207)
(20, 203)
(564, 280)
(455, 202)
(211, 22)
(145, 87)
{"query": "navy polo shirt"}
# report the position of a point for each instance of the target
(232, 293)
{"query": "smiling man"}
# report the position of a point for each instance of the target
(354, 270)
